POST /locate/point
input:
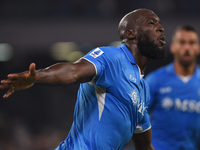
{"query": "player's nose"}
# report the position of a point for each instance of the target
(160, 28)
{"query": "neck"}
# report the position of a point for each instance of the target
(182, 70)
(140, 60)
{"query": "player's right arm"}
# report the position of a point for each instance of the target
(60, 73)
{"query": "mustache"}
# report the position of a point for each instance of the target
(161, 37)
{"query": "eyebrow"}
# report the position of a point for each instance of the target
(155, 18)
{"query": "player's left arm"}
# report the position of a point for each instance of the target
(142, 141)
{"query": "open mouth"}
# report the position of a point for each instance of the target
(161, 39)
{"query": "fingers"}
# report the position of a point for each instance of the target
(11, 91)
(8, 81)
(13, 76)
(19, 81)
(32, 69)
(7, 84)
(32, 72)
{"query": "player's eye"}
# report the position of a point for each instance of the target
(182, 42)
(192, 42)
(151, 22)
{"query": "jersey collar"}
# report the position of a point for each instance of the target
(128, 54)
(170, 69)
(130, 58)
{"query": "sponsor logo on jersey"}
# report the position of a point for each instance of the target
(141, 107)
(182, 105)
(167, 103)
(132, 78)
(96, 53)
(164, 90)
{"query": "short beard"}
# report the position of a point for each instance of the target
(186, 64)
(148, 48)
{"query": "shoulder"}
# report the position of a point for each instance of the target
(157, 76)
(198, 72)
(104, 55)
(111, 54)
(110, 51)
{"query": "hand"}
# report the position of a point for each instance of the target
(19, 81)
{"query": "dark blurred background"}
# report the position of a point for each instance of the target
(51, 31)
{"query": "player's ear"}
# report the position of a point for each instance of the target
(130, 34)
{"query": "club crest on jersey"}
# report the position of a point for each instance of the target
(96, 53)
(136, 101)
(134, 97)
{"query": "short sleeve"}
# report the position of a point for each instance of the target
(107, 64)
(144, 124)
(92, 57)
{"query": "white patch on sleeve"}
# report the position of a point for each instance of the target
(101, 94)
(93, 65)
(139, 129)
(96, 53)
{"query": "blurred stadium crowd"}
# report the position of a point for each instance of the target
(94, 7)
(50, 31)
(17, 135)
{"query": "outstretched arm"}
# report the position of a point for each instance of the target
(60, 73)
(142, 141)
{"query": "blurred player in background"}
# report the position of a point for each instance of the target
(175, 95)
(113, 96)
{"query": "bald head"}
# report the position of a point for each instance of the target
(131, 21)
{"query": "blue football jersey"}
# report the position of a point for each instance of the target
(109, 108)
(174, 109)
